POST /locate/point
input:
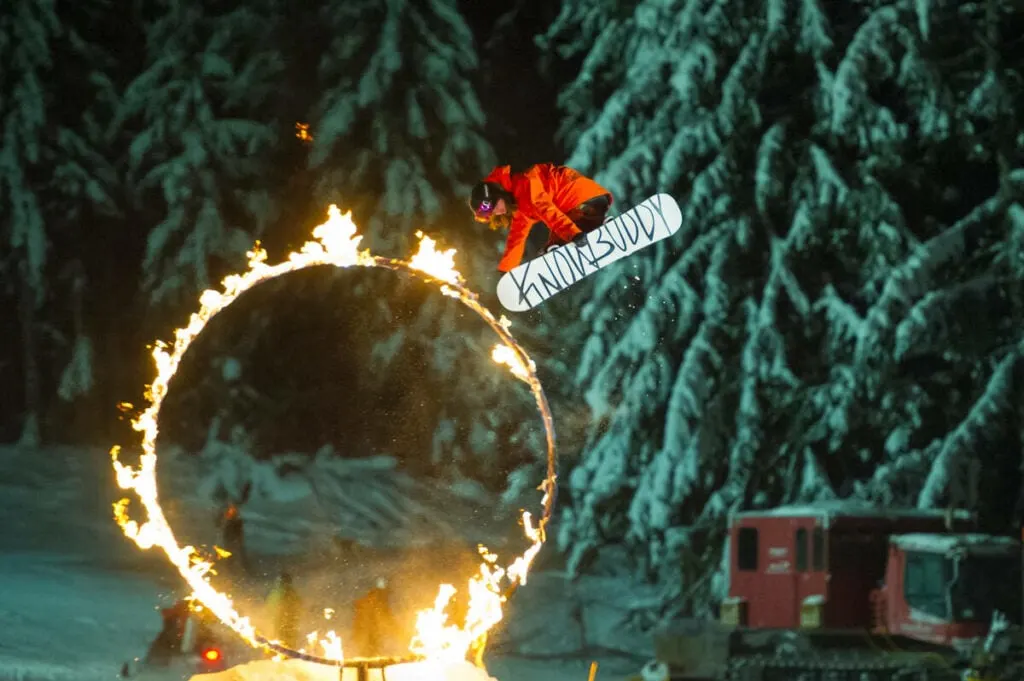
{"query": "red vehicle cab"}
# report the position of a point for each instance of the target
(851, 567)
(943, 589)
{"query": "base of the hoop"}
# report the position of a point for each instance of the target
(372, 668)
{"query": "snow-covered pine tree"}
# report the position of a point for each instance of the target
(86, 185)
(816, 152)
(51, 175)
(397, 131)
(958, 295)
(27, 34)
(398, 139)
(201, 118)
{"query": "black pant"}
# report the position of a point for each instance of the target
(588, 216)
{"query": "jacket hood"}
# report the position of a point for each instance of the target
(501, 175)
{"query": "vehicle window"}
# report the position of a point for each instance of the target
(818, 549)
(983, 585)
(746, 549)
(925, 583)
(800, 551)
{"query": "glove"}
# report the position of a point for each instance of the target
(580, 240)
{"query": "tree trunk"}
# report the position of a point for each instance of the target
(83, 416)
(30, 431)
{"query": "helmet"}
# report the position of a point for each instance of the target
(484, 198)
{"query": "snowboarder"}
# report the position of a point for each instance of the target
(283, 606)
(545, 205)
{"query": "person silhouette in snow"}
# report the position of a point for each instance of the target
(373, 623)
(285, 609)
(569, 205)
(168, 643)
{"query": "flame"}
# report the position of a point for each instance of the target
(330, 644)
(438, 264)
(436, 639)
(336, 242)
(503, 354)
(302, 132)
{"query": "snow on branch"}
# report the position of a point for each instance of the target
(676, 300)
(581, 20)
(769, 342)
(651, 509)
(769, 173)
(695, 380)
(914, 277)
(923, 10)
(188, 111)
(606, 477)
(692, 71)
(634, 348)
(77, 378)
(814, 35)
(719, 280)
(933, 104)
(630, 174)
(712, 183)
(622, 111)
(743, 78)
(892, 482)
(609, 353)
(28, 31)
(990, 99)
(786, 279)
(648, 389)
(775, 15)
(802, 228)
(412, 127)
(749, 431)
(931, 322)
(832, 186)
(577, 99)
(814, 482)
(983, 418)
(832, 402)
(844, 322)
(690, 141)
(868, 49)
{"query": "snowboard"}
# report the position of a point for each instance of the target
(537, 280)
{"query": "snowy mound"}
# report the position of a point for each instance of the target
(300, 670)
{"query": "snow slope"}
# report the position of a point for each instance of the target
(77, 599)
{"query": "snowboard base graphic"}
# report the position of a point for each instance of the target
(534, 281)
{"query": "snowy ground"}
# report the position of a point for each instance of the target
(77, 599)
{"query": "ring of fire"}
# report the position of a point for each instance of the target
(336, 243)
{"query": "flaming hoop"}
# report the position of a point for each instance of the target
(336, 243)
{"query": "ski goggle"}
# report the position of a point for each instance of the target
(482, 211)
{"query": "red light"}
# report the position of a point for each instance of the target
(211, 654)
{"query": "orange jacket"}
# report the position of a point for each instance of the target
(544, 193)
